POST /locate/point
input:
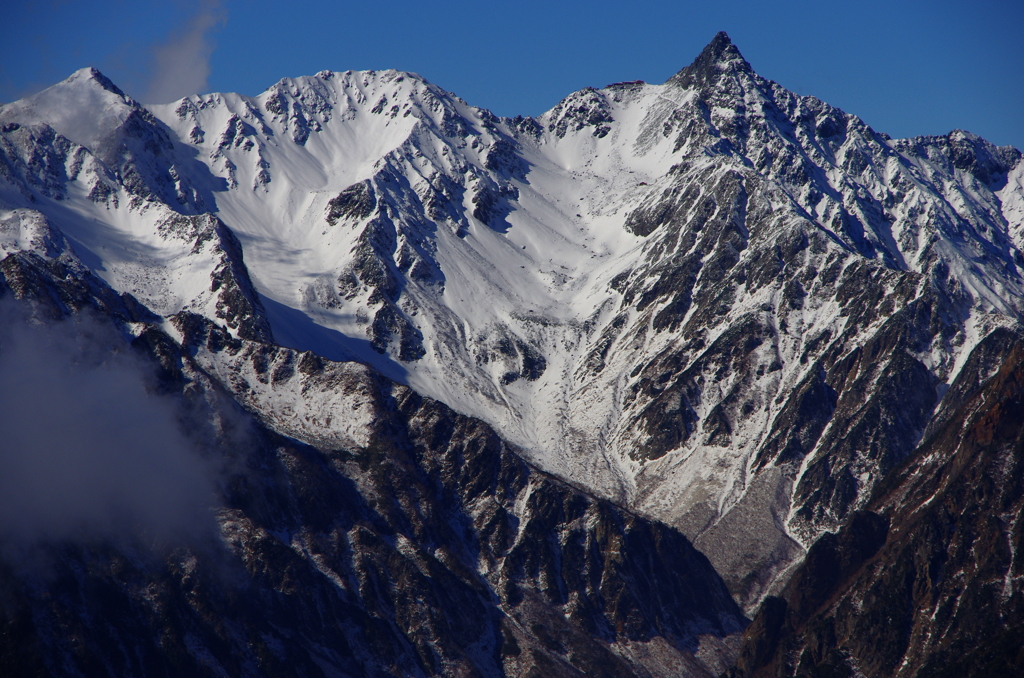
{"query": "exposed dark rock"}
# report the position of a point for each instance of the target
(491, 205)
(433, 549)
(390, 322)
(57, 289)
(356, 202)
(503, 157)
(942, 596)
(782, 369)
(238, 304)
(586, 108)
(719, 56)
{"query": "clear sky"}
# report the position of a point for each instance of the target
(906, 68)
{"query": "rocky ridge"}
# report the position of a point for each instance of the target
(713, 301)
(924, 581)
(404, 539)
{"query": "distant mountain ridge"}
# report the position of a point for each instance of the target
(712, 301)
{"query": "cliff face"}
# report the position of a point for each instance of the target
(927, 581)
(708, 305)
(711, 300)
(412, 542)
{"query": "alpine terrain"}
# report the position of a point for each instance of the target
(688, 378)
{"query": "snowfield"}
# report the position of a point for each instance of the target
(682, 296)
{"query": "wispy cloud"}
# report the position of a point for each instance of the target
(86, 450)
(182, 64)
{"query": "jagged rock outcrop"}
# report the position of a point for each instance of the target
(926, 580)
(381, 534)
(711, 301)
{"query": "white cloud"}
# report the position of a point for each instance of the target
(86, 450)
(182, 64)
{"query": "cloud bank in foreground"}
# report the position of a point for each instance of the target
(86, 450)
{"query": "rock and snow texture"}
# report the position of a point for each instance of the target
(720, 303)
(407, 540)
(928, 580)
(134, 202)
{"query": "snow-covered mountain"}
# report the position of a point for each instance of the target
(408, 540)
(711, 300)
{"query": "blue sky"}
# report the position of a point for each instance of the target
(906, 68)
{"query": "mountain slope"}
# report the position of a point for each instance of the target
(400, 539)
(133, 200)
(929, 583)
(712, 300)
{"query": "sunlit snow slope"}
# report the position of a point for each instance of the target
(725, 304)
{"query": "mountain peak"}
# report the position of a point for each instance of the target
(720, 44)
(719, 56)
(84, 107)
(100, 79)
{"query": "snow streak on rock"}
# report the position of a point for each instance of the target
(717, 302)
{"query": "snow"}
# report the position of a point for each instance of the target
(539, 275)
(538, 278)
(80, 108)
(1011, 199)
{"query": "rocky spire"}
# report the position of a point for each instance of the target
(720, 56)
(100, 79)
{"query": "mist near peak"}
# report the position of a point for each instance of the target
(181, 64)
